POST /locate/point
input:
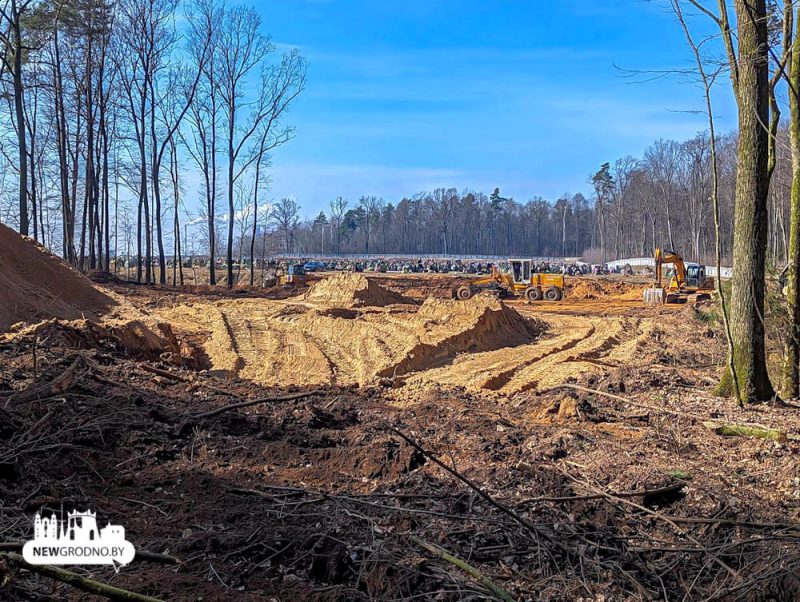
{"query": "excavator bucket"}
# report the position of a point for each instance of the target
(654, 296)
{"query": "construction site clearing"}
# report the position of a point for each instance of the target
(368, 437)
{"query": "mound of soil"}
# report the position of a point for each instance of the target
(35, 284)
(275, 343)
(447, 328)
(352, 290)
(581, 289)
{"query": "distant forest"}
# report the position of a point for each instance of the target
(109, 105)
(659, 199)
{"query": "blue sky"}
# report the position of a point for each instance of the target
(527, 95)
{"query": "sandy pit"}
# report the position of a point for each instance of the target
(579, 289)
(36, 285)
(345, 331)
(299, 342)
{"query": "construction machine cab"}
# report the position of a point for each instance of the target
(521, 270)
(695, 275)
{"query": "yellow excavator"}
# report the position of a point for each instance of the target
(520, 280)
(687, 280)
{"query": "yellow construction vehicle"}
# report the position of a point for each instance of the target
(520, 280)
(686, 280)
(295, 276)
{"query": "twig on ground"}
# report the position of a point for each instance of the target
(88, 585)
(253, 402)
(597, 496)
(60, 384)
(470, 570)
(141, 503)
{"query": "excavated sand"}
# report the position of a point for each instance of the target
(36, 285)
(580, 289)
(288, 342)
(352, 290)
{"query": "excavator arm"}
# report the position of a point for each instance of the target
(670, 258)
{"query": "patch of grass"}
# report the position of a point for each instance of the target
(681, 475)
(708, 315)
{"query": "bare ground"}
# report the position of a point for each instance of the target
(558, 494)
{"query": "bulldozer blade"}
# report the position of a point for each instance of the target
(654, 296)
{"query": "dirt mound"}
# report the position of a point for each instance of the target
(279, 342)
(447, 328)
(581, 289)
(35, 284)
(352, 290)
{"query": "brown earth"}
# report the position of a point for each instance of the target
(36, 285)
(588, 288)
(617, 491)
(296, 341)
(351, 290)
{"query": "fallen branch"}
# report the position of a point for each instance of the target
(498, 591)
(145, 556)
(253, 402)
(184, 379)
(741, 430)
(88, 585)
(636, 404)
(164, 373)
(672, 487)
(504, 509)
(59, 385)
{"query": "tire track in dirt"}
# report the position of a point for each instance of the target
(583, 358)
(491, 370)
(481, 345)
(581, 345)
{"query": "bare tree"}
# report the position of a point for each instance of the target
(285, 215)
(443, 204)
(12, 14)
(242, 48)
(338, 207)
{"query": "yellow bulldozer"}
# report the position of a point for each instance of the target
(687, 280)
(521, 280)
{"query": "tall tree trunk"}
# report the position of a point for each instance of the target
(750, 218)
(212, 275)
(255, 213)
(178, 260)
(790, 377)
(19, 114)
(155, 177)
(231, 208)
